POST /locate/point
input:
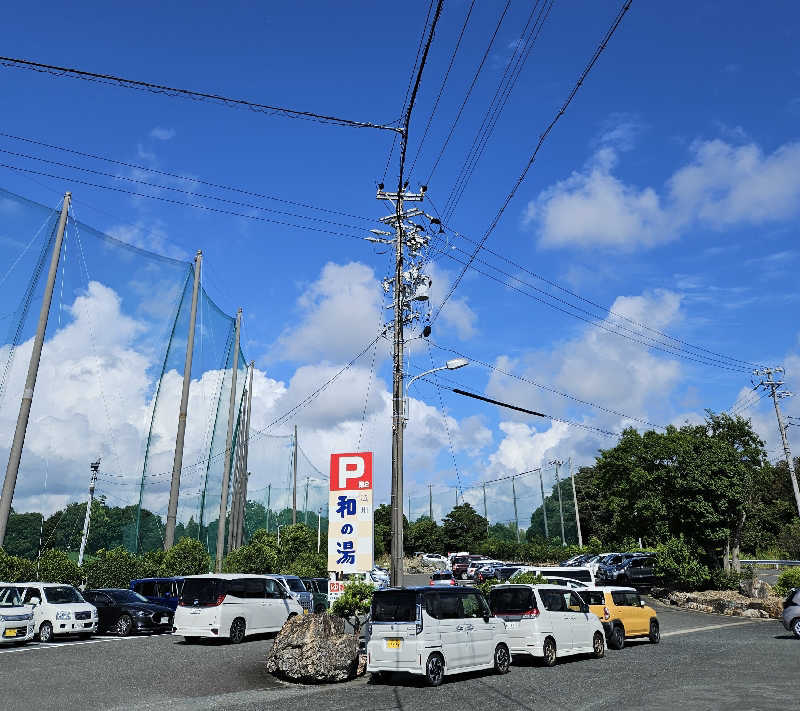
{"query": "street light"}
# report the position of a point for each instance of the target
(397, 485)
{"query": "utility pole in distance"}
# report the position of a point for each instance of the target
(772, 386)
(294, 479)
(95, 467)
(544, 508)
(516, 517)
(430, 501)
(575, 500)
(15, 455)
(558, 463)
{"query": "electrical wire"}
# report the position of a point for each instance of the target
(187, 93)
(581, 79)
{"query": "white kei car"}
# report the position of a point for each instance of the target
(434, 631)
(547, 621)
(58, 610)
(16, 619)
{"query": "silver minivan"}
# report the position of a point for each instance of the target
(433, 632)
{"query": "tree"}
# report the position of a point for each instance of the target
(424, 535)
(57, 567)
(463, 528)
(258, 557)
(186, 557)
(112, 569)
(354, 602)
(382, 532)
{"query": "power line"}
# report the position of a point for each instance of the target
(603, 44)
(199, 181)
(469, 91)
(187, 94)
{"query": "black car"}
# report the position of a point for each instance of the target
(125, 612)
(636, 571)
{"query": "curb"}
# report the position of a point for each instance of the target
(686, 610)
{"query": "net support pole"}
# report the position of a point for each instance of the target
(15, 455)
(226, 475)
(294, 479)
(245, 440)
(544, 507)
(560, 505)
(177, 462)
(575, 501)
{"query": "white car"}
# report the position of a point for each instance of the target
(58, 610)
(567, 582)
(547, 621)
(232, 606)
(476, 565)
(16, 619)
(434, 558)
(579, 573)
(434, 631)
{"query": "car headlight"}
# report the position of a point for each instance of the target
(63, 615)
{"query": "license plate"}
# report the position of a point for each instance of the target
(10, 633)
(512, 625)
(305, 611)
(394, 643)
(87, 624)
(164, 620)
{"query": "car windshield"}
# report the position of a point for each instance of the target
(126, 596)
(593, 597)
(506, 572)
(62, 595)
(394, 606)
(9, 597)
(510, 599)
(460, 559)
(441, 576)
(201, 591)
(295, 585)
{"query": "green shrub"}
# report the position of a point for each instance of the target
(678, 566)
(789, 540)
(720, 580)
(354, 601)
(14, 569)
(258, 557)
(113, 569)
(57, 567)
(788, 579)
(307, 565)
(187, 557)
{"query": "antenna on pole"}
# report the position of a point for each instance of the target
(94, 467)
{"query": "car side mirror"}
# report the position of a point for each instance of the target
(642, 603)
(35, 601)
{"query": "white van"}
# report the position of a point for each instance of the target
(232, 606)
(58, 610)
(434, 631)
(547, 621)
(579, 573)
(16, 619)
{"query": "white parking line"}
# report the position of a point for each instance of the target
(33, 646)
(703, 629)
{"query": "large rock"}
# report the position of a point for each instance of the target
(314, 649)
(753, 587)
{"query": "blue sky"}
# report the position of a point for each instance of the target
(669, 190)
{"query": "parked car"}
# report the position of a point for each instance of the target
(16, 619)
(435, 558)
(477, 565)
(579, 573)
(443, 577)
(126, 612)
(318, 587)
(161, 591)
(623, 613)
(577, 560)
(232, 606)
(380, 576)
(791, 612)
(294, 586)
(459, 566)
(635, 570)
(58, 610)
(547, 621)
(434, 632)
(566, 582)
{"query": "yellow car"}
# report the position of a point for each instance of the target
(623, 613)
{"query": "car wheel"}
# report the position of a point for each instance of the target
(237, 630)
(380, 677)
(502, 659)
(45, 632)
(124, 626)
(796, 627)
(617, 638)
(598, 646)
(434, 669)
(655, 632)
(549, 652)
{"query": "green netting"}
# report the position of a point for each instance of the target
(495, 501)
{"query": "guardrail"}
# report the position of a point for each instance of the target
(776, 563)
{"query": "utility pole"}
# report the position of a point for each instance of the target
(305, 505)
(575, 500)
(558, 463)
(772, 386)
(95, 467)
(177, 462)
(430, 501)
(294, 485)
(485, 510)
(319, 527)
(516, 517)
(15, 455)
(544, 508)
(409, 509)
(408, 284)
(269, 494)
(226, 475)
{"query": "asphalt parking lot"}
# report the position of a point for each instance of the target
(703, 662)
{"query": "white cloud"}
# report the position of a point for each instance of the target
(162, 134)
(722, 185)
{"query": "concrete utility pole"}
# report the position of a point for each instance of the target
(407, 284)
(269, 495)
(305, 505)
(294, 485)
(772, 386)
(177, 463)
(95, 467)
(558, 463)
(544, 508)
(575, 500)
(516, 516)
(319, 528)
(15, 455)
(226, 475)
(430, 501)
(485, 510)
